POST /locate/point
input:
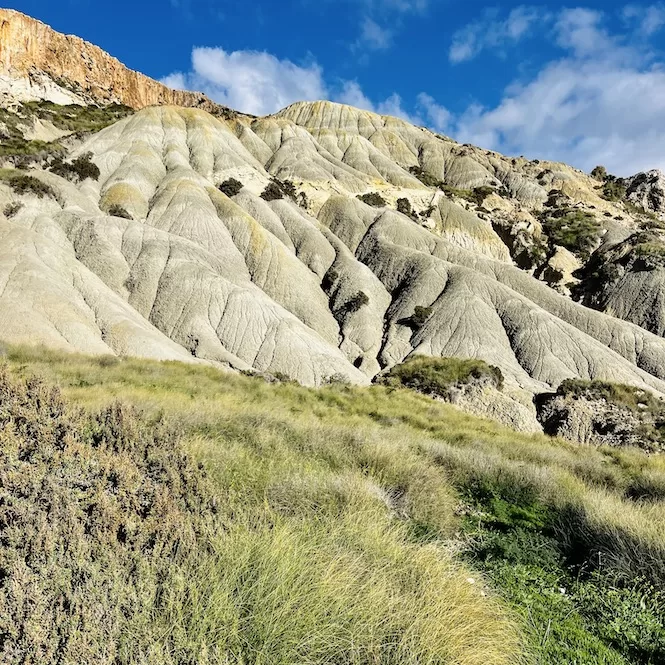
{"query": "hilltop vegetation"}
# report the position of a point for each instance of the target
(339, 525)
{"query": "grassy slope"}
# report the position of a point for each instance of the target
(349, 522)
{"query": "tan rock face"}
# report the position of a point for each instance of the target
(30, 48)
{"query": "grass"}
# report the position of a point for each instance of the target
(345, 524)
(74, 118)
(18, 146)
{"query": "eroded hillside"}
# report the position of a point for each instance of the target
(321, 242)
(152, 259)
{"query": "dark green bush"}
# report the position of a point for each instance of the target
(329, 279)
(356, 302)
(277, 189)
(76, 118)
(613, 190)
(599, 173)
(22, 183)
(77, 170)
(481, 193)
(373, 199)
(615, 393)
(436, 376)
(419, 317)
(12, 209)
(426, 178)
(404, 206)
(117, 210)
(272, 192)
(18, 146)
(230, 187)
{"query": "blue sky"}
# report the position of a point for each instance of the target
(583, 83)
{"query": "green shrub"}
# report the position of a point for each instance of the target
(576, 230)
(450, 191)
(481, 193)
(436, 376)
(373, 199)
(22, 183)
(11, 209)
(77, 170)
(404, 207)
(76, 118)
(613, 190)
(272, 192)
(230, 187)
(599, 173)
(615, 393)
(18, 146)
(427, 179)
(276, 189)
(356, 302)
(329, 279)
(418, 318)
(96, 512)
(116, 210)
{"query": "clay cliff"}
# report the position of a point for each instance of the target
(36, 62)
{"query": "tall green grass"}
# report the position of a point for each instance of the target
(349, 520)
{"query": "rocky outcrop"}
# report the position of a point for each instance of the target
(647, 190)
(603, 414)
(36, 62)
(627, 280)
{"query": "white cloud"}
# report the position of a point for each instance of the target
(352, 94)
(250, 81)
(603, 102)
(492, 33)
(649, 20)
(374, 36)
(438, 117)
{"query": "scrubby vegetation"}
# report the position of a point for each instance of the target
(18, 147)
(278, 189)
(231, 187)
(616, 393)
(613, 190)
(77, 170)
(75, 118)
(476, 195)
(404, 207)
(599, 173)
(576, 230)
(436, 376)
(22, 183)
(356, 302)
(116, 210)
(339, 525)
(427, 179)
(373, 199)
(12, 209)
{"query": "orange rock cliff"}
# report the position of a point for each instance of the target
(30, 49)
